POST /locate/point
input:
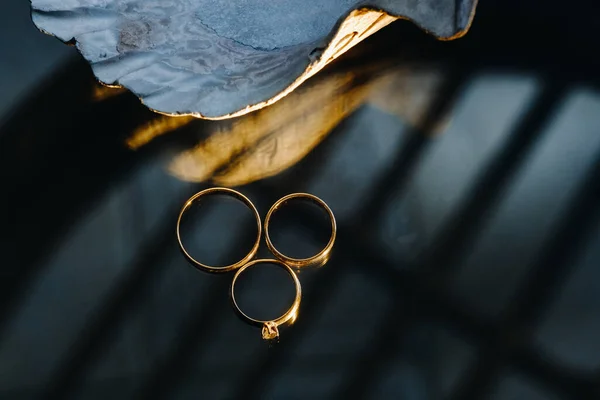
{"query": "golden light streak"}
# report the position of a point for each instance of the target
(321, 110)
(157, 127)
(272, 139)
(101, 92)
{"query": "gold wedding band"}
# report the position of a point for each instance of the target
(320, 258)
(237, 195)
(270, 329)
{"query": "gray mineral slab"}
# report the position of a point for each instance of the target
(214, 58)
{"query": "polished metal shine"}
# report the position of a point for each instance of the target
(322, 256)
(270, 329)
(223, 191)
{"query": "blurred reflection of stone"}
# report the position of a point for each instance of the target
(266, 142)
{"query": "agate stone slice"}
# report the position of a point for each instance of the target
(217, 59)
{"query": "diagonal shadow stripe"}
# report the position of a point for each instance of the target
(449, 247)
(363, 376)
(458, 234)
(395, 179)
(99, 331)
(196, 329)
(37, 147)
(545, 278)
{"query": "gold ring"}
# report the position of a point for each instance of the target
(234, 194)
(320, 258)
(270, 329)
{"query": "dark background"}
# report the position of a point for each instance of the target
(468, 256)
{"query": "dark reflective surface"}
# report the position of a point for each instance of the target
(465, 180)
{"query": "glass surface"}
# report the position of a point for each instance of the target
(464, 177)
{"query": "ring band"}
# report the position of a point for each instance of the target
(320, 258)
(270, 329)
(234, 194)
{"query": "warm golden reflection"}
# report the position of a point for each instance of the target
(268, 141)
(272, 139)
(152, 129)
(102, 92)
(270, 329)
(317, 260)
